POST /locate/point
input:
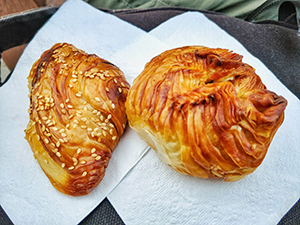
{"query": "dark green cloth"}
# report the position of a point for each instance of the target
(234, 8)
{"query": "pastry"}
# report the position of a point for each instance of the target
(77, 116)
(205, 112)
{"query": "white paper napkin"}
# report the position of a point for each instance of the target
(153, 193)
(25, 192)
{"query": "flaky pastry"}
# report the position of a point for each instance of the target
(77, 116)
(205, 112)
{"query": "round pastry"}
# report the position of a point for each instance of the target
(204, 112)
(77, 116)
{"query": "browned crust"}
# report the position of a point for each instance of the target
(210, 105)
(77, 116)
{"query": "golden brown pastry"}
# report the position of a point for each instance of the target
(204, 112)
(77, 116)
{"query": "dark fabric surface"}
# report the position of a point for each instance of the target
(277, 46)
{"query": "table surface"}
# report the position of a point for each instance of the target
(11, 56)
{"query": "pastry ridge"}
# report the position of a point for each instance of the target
(205, 112)
(76, 116)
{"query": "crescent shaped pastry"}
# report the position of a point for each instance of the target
(77, 116)
(204, 112)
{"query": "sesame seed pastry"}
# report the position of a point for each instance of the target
(77, 116)
(205, 112)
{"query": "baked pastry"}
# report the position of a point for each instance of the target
(204, 112)
(77, 116)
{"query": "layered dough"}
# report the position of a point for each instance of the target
(205, 112)
(77, 116)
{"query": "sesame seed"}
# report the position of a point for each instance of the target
(97, 99)
(63, 111)
(94, 155)
(93, 135)
(109, 117)
(55, 150)
(89, 129)
(70, 117)
(115, 80)
(107, 89)
(111, 131)
(113, 105)
(68, 126)
(63, 165)
(58, 154)
(120, 90)
(83, 126)
(61, 130)
(46, 141)
(101, 76)
(63, 135)
(114, 138)
(95, 111)
(98, 157)
(93, 150)
(71, 168)
(61, 140)
(62, 105)
(123, 85)
(84, 173)
(44, 118)
(78, 150)
(38, 137)
(74, 159)
(83, 162)
(111, 125)
(70, 106)
(57, 144)
(83, 119)
(67, 100)
(55, 128)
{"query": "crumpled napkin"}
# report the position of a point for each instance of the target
(153, 193)
(26, 194)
